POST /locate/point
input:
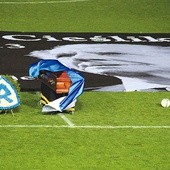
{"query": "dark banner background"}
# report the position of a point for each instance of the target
(15, 47)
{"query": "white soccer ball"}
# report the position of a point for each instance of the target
(165, 103)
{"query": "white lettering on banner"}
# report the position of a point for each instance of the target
(119, 39)
(74, 39)
(12, 37)
(14, 46)
(114, 38)
(134, 39)
(164, 39)
(150, 39)
(99, 39)
(50, 38)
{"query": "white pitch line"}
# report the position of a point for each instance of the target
(68, 121)
(43, 2)
(85, 127)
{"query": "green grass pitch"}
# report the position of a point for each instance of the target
(33, 140)
(86, 16)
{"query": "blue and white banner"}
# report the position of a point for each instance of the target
(9, 98)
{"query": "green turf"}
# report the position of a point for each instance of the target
(89, 16)
(130, 108)
(88, 149)
(84, 149)
(29, 113)
(108, 108)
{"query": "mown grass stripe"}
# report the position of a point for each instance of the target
(85, 127)
(42, 2)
